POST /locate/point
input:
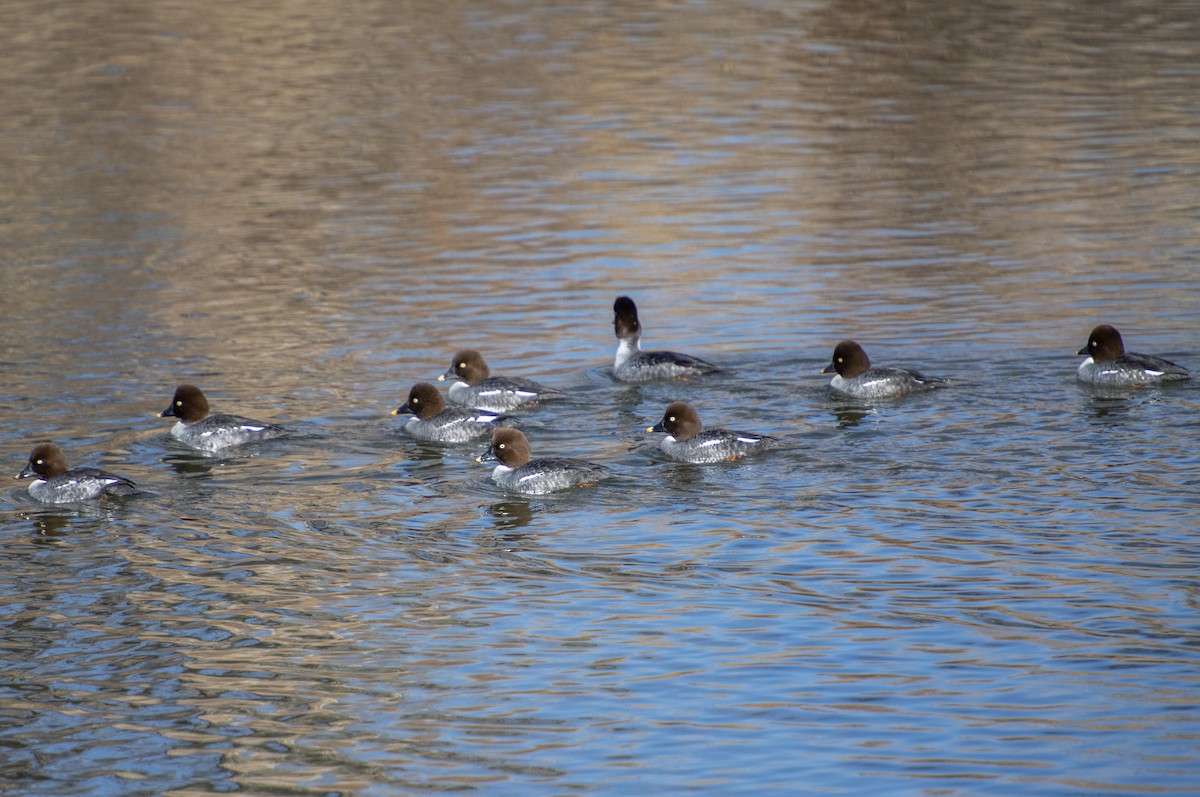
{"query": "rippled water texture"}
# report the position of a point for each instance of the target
(307, 207)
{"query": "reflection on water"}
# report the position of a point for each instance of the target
(984, 590)
(511, 515)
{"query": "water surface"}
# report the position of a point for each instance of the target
(987, 590)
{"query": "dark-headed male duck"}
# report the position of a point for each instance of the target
(631, 364)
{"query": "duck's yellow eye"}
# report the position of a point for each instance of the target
(840, 359)
(178, 403)
(40, 462)
(671, 419)
(500, 447)
(462, 365)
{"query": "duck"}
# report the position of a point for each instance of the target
(635, 366)
(55, 483)
(518, 473)
(473, 386)
(1109, 365)
(434, 422)
(211, 433)
(688, 441)
(856, 377)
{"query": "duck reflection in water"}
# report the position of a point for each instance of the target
(509, 515)
(850, 415)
